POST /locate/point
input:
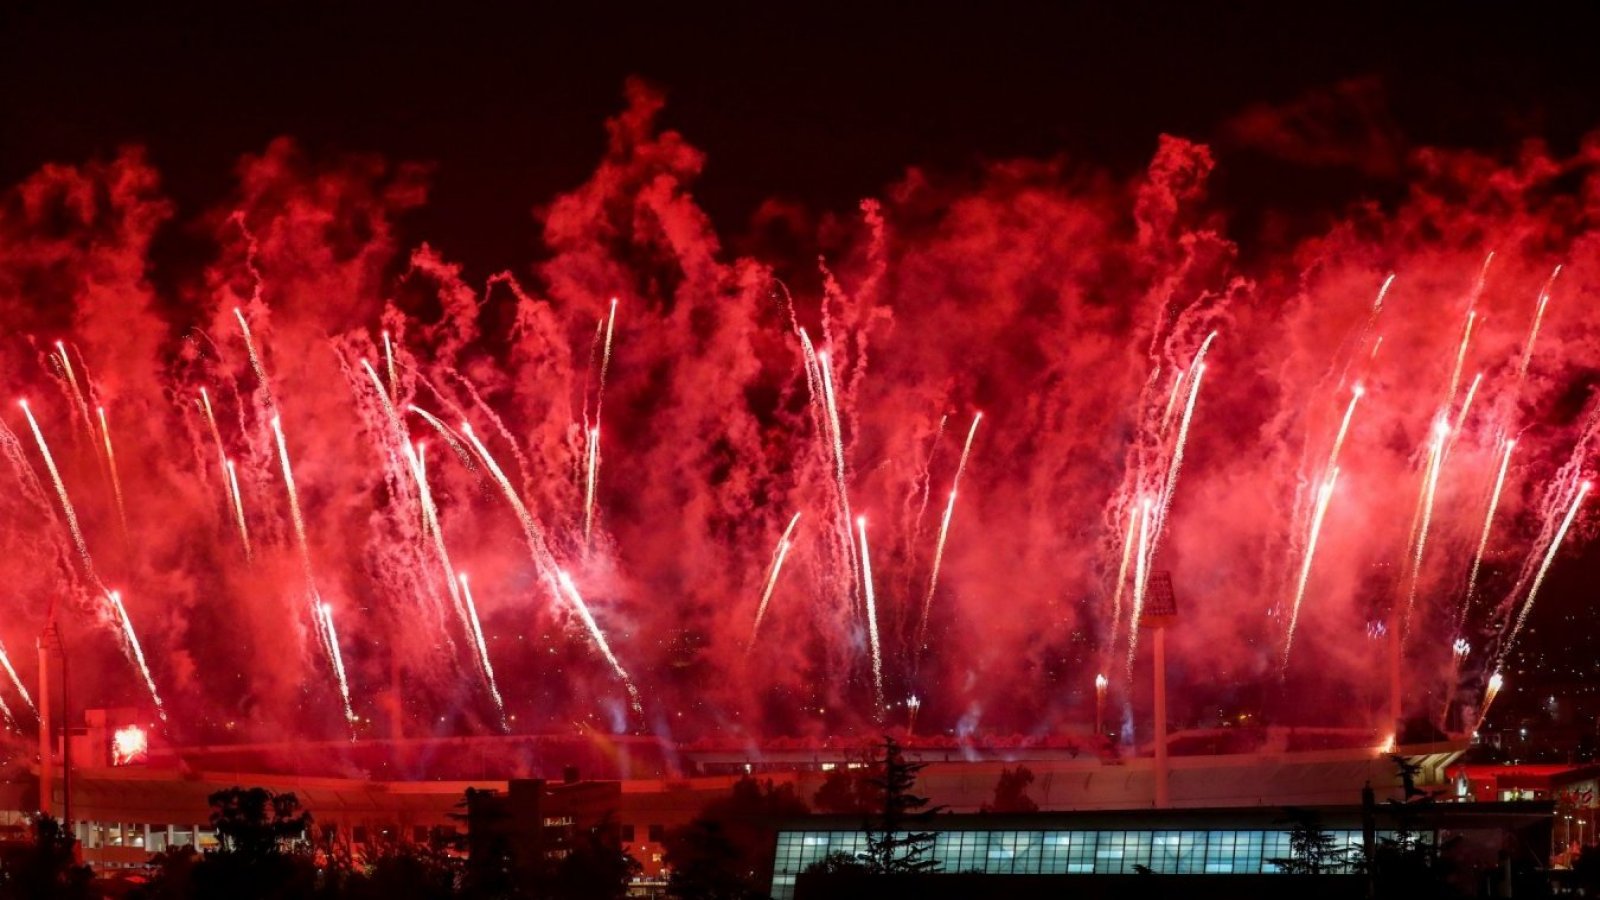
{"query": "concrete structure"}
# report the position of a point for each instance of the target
(385, 790)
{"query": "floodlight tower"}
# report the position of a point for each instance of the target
(1160, 610)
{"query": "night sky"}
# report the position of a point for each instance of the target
(817, 103)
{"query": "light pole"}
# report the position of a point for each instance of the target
(1160, 610)
(51, 636)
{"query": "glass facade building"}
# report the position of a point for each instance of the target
(1101, 852)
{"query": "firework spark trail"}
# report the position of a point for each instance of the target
(1172, 399)
(1461, 416)
(772, 581)
(319, 610)
(61, 493)
(78, 398)
(808, 356)
(933, 574)
(840, 476)
(1496, 681)
(1552, 506)
(255, 359)
(545, 560)
(591, 475)
(301, 542)
(592, 469)
(836, 433)
(872, 619)
(483, 407)
(1383, 291)
(1544, 567)
(1141, 562)
(819, 416)
(482, 647)
(466, 610)
(393, 393)
(1356, 394)
(16, 681)
(1304, 546)
(1175, 465)
(944, 533)
(5, 710)
(1323, 496)
(325, 613)
(1461, 357)
(1441, 432)
(605, 361)
(570, 590)
(111, 465)
(138, 652)
(32, 488)
(530, 526)
(1483, 536)
(211, 423)
(1122, 579)
(926, 480)
(1538, 318)
(452, 439)
(238, 510)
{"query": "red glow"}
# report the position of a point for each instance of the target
(1112, 329)
(129, 745)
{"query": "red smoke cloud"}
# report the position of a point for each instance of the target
(1059, 301)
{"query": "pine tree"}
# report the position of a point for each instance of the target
(1313, 850)
(892, 848)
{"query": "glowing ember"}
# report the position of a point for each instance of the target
(128, 745)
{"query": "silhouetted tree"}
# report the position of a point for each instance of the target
(170, 875)
(846, 791)
(255, 823)
(1409, 863)
(1312, 850)
(401, 871)
(258, 832)
(595, 866)
(1011, 792)
(839, 863)
(892, 848)
(726, 852)
(46, 867)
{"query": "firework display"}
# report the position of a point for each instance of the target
(1152, 401)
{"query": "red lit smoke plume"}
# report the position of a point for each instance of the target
(1066, 305)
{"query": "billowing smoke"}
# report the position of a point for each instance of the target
(612, 443)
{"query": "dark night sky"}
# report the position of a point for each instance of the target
(823, 104)
(819, 103)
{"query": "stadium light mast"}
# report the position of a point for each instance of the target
(1160, 610)
(49, 639)
(46, 750)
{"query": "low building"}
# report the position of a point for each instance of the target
(1089, 853)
